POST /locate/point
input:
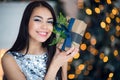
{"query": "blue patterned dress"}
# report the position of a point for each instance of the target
(32, 66)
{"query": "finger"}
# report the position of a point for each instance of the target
(73, 53)
(57, 50)
(70, 50)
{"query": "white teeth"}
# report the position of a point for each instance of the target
(42, 33)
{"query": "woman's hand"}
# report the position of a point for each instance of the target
(62, 57)
(59, 60)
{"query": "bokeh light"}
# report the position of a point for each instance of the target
(115, 52)
(93, 41)
(97, 1)
(81, 66)
(87, 35)
(101, 55)
(97, 10)
(108, 20)
(109, 1)
(88, 11)
(117, 19)
(112, 38)
(111, 75)
(76, 56)
(105, 59)
(112, 15)
(103, 24)
(114, 11)
(71, 76)
(83, 46)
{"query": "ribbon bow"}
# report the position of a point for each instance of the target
(68, 39)
(63, 32)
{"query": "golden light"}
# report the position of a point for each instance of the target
(80, 4)
(109, 78)
(97, 1)
(114, 11)
(81, 66)
(109, 2)
(112, 15)
(115, 52)
(111, 75)
(105, 59)
(93, 41)
(112, 38)
(76, 56)
(117, 19)
(83, 46)
(93, 50)
(117, 28)
(108, 20)
(103, 24)
(101, 7)
(87, 35)
(107, 28)
(77, 71)
(101, 55)
(88, 11)
(70, 60)
(71, 76)
(117, 33)
(97, 10)
(68, 67)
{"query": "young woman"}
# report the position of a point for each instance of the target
(31, 57)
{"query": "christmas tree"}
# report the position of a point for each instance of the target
(99, 57)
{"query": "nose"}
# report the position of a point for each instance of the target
(44, 25)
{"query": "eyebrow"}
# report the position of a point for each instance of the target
(42, 17)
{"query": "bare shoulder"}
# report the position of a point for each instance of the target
(8, 62)
(11, 69)
(7, 58)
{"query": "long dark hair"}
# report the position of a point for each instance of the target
(22, 40)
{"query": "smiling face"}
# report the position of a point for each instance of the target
(40, 24)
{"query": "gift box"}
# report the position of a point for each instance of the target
(69, 32)
(74, 34)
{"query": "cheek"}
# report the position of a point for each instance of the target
(31, 28)
(30, 25)
(50, 28)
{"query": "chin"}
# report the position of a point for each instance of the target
(43, 40)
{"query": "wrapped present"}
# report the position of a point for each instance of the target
(69, 34)
(76, 30)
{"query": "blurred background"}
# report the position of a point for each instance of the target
(99, 56)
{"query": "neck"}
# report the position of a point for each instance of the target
(35, 48)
